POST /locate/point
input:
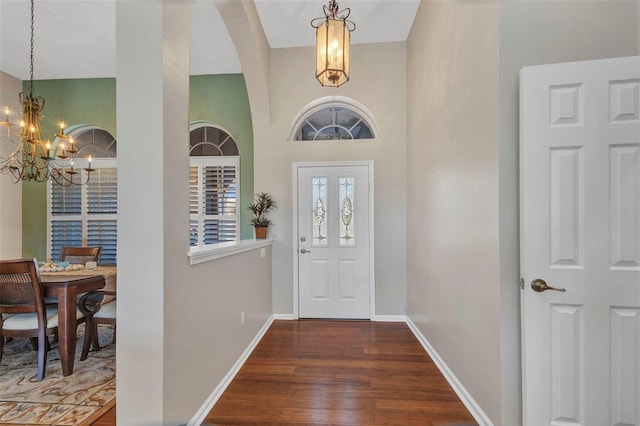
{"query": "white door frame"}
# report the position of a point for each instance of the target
(294, 216)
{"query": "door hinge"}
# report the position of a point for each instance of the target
(521, 283)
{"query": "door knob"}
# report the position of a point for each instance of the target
(540, 285)
(303, 251)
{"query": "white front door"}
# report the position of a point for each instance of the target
(580, 232)
(333, 252)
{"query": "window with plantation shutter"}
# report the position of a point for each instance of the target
(86, 215)
(214, 182)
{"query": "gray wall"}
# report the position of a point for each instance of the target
(453, 277)
(464, 295)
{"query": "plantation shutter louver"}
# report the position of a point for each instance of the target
(82, 215)
(213, 200)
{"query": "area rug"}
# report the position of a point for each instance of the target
(77, 399)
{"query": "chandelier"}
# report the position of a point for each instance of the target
(32, 158)
(333, 35)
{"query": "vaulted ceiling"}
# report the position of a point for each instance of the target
(76, 38)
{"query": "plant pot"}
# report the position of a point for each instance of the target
(261, 232)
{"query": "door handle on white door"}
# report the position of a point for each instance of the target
(303, 251)
(540, 285)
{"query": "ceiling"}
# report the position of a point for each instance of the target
(76, 38)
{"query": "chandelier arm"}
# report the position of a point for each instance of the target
(57, 174)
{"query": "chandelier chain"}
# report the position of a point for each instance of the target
(32, 44)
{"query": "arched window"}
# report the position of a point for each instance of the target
(333, 118)
(206, 140)
(214, 186)
(86, 215)
(93, 141)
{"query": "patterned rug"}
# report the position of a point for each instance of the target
(77, 399)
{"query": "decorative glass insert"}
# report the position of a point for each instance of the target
(347, 229)
(319, 211)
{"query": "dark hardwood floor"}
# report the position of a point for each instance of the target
(339, 373)
(108, 419)
(319, 372)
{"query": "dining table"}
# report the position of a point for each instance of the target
(66, 286)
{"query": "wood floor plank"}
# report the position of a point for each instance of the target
(108, 419)
(320, 372)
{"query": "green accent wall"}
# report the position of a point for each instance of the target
(81, 101)
(219, 99)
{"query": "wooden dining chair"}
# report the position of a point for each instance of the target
(98, 307)
(22, 308)
(80, 254)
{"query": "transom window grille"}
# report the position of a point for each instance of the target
(86, 215)
(333, 120)
(214, 182)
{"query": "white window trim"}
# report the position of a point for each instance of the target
(224, 161)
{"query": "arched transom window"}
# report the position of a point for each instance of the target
(210, 141)
(333, 118)
(93, 141)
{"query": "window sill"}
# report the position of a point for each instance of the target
(218, 251)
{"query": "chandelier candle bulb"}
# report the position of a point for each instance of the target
(61, 135)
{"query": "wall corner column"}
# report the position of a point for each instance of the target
(152, 89)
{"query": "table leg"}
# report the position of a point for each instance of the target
(67, 324)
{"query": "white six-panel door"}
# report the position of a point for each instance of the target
(580, 231)
(333, 241)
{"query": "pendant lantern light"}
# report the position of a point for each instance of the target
(333, 37)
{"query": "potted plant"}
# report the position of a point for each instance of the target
(261, 205)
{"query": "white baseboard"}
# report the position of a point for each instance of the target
(288, 317)
(478, 414)
(201, 414)
(390, 318)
